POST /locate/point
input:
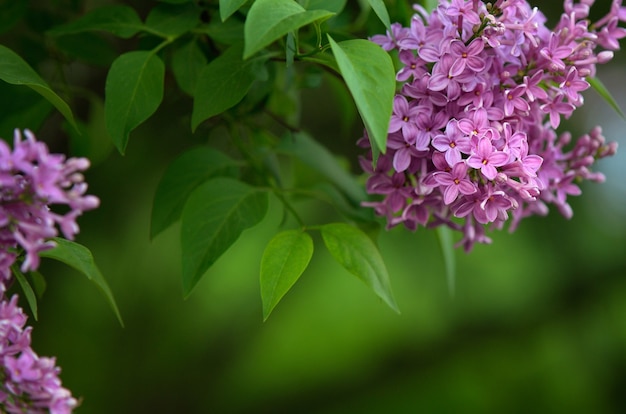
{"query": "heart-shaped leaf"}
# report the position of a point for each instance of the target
(269, 20)
(188, 61)
(228, 7)
(285, 258)
(172, 20)
(370, 76)
(223, 83)
(14, 70)
(381, 11)
(80, 258)
(316, 156)
(183, 176)
(133, 91)
(215, 215)
(358, 254)
(122, 21)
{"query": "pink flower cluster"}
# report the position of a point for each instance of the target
(28, 383)
(31, 180)
(473, 136)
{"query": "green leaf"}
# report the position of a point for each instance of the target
(223, 83)
(269, 20)
(335, 6)
(175, 1)
(229, 32)
(80, 258)
(228, 7)
(606, 95)
(25, 109)
(183, 176)
(187, 64)
(133, 91)
(171, 20)
(370, 76)
(430, 5)
(215, 215)
(89, 47)
(358, 254)
(310, 152)
(330, 194)
(381, 11)
(447, 249)
(31, 298)
(38, 283)
(324, 59)
(14, 70)
(284, 260)
(91, 140)
(122, 21)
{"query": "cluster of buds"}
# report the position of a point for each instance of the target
(472, 138)
(31, 181)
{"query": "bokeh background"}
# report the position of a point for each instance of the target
(537, 324)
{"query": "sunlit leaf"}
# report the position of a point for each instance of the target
(183, 176)
(122, 21)
(187, 64)
(80, 258)
(215, 215)
(31, 298)
(284, 260)
(313, 154)
(14, 70)
(228, 7)
(381, 11)
(269, 20)
(606, 95)
(358, 254)
(170, 20)
(133, 91)
(223, 83)
(370, 76)
(447, 249)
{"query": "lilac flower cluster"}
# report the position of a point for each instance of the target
(473, 136)
(28, 383)
(32, 179)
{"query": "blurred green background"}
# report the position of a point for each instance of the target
(538, 322)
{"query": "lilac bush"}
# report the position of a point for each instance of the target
(473, 138)
(32, 180)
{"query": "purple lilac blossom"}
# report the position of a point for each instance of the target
(28, 383)
(473, 138)
(32, 181)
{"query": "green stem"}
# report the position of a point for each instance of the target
(278, 192)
